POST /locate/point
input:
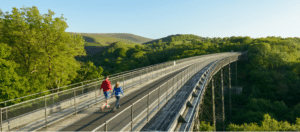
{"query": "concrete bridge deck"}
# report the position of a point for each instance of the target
(94, 120)
(91, 118)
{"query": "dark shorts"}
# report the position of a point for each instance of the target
(106, 94)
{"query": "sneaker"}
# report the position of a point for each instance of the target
(118, 107)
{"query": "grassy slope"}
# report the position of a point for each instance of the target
(103, 40)
(96, 42)
(127, 36)
(168, 38)
(108, 38)
(164, 39)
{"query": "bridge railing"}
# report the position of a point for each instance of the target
(212, 71)
(69, 101)
(112, 77)
(145, 108)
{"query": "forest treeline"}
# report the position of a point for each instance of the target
(37, 54)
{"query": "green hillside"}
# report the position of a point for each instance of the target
(127, 36)
(105, 39)
(100, 39)
(178, 38)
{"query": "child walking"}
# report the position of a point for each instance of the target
(117, 91)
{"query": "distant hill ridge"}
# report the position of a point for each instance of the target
(177, 36)
(128, 36)
(108, 38)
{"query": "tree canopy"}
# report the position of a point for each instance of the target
(41, 48)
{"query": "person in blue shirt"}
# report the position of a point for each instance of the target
(117, 91)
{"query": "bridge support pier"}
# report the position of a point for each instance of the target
(229, 76)
(236, 75)
(223, 109)
(213, 102)
(212, 108)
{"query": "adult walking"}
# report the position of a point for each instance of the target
(117, 91)
(106, 86)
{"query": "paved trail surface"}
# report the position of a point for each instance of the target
(98, 118)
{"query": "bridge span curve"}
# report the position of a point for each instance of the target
(149, 92)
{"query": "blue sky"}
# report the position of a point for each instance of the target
(160, 18)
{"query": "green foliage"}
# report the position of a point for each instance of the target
(12, 85)
(256, 108)
(92, 44)
(272, 76)
(37, 54)
(176, 38)
(109, 38)
(127, 36)
(40, 47)
(120, 52)
(89, 71)
(267, 124)
(205, 126)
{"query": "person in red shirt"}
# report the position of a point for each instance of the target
(106, 86)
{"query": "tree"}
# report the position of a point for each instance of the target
(131, 51)
(40, 45)
(89, 71)
(205, 126)
(120, 52)
(172, 41)
(11, 84)
(268, 124)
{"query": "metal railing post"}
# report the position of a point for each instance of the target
(185, 74)
(106, 126)
(140, 76)
(95, 93)
(75, 100)
(131, 78)
(180, 79)
(52, 97)
(152, 71)
(161, 69)
(189, 72)
(167, 95)
(82, 86)
(158, 98)
(173, 86)
(123, 82)
(132, 117)
(176, 82)
(148, 107)
(168, 88)
(45, 110)
(174, 66)
(166, 68)
(1, 119)
(6, 117)
(147, 75)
